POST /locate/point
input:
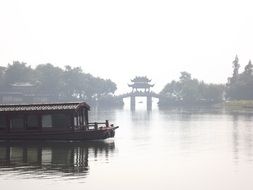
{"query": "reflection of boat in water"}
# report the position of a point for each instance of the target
(51, 158)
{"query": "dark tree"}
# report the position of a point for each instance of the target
(60, 84)
(18, 72)
(240, 87)
(2, 71)
(248, 69)
(188, 91)
(236, 67)
(185, 76)
(48, 79)
(72, 81)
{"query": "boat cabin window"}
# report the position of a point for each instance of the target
(17, 122)
(32, 121)
(46, 121)
(84, 118)
(3, 123)
(57, 120)
(80, 119)
(61, 120)
(75, 121)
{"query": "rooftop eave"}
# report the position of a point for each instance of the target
(43, 107)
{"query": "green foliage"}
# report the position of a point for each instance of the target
(248, 69)
(68, 83)
(2, 71)
(239, 87)
(188, 91)
(48, 78)
(239, 104)
(18, 72)
(236, 67)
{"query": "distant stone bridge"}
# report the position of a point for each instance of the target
(133, 95)
(140, 88)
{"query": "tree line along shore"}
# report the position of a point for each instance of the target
(237, 92)
(53, 83)
(72, 84)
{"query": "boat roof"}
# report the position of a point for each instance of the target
(44, 107)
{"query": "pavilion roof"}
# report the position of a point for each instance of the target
(140, 85)
(141, 79)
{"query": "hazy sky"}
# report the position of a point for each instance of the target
(120, 39)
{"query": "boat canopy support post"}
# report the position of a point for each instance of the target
(96, 126)
(106, 123)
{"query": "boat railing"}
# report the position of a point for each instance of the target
(98, 125)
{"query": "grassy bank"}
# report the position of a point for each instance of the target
(239, 103)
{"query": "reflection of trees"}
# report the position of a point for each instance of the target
(51, 159)
(242, 135)
(188, 111)
(249, 137)
(235, 137)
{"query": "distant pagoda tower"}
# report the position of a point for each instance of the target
(140, 84)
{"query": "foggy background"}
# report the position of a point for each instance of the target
(121, 39)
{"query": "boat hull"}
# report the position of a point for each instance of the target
(66, 135)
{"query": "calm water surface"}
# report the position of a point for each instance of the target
(171, 149)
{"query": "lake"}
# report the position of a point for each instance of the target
(179, 149)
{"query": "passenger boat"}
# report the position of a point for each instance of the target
(54, 121)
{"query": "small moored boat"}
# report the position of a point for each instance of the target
(54, 121)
